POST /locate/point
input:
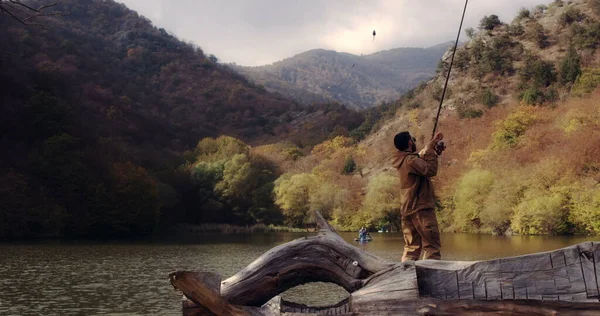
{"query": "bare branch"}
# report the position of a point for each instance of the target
(32, 9)
(24, 13)
(40, 15)
(11, 14)
(15, 8)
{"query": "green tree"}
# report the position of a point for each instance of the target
(470, 32)
(538, 72)
(489, 22)
(570, 67)
(349, 166)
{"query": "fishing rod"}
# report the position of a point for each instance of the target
(437, 117)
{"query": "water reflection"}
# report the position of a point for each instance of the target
(131, 278)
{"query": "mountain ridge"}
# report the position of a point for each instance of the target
(358, 81)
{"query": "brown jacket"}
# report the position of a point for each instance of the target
(416, 188)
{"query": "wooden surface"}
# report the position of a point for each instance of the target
(322, 258)
(569, 274)
(560, 282)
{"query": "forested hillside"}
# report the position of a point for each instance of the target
(98, 106)
(320, 75)
(522, 124)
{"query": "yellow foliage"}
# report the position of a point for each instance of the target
(382, 200)
(509, 131)
(223, 147)
(478, 156)
(579, 118)
(413, 116)
(585, 208)
(328, 148)
(541, 212)
(471, 193)
(586, 82)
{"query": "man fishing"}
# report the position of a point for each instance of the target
(419, 223)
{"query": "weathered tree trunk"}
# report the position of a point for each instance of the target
(565, 281)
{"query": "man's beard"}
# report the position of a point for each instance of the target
(413, 149)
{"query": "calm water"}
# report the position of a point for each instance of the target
(67, 278)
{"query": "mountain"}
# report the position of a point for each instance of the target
(357, 81)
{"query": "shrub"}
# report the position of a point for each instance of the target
(349, 166)
(489, 98)
(584, 209)
(570, 15)
(503, 197)
(537, 35)
(515, 29)
(532, 95)
(586, 82)
(595, 6)
(586, 36)
(489, 22)
(523, 14)
(510, 130)
(462, 59)
(541, 213)
(570, 67)
(467, 112)
(540, 8)
(437, 91)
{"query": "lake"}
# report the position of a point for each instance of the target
(130, 278)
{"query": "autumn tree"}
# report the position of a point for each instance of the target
(382, 200)
(292, 194)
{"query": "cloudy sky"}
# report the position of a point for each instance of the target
(257, 32)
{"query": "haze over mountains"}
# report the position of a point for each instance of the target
(356, 81)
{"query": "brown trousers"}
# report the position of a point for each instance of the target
(421, 236)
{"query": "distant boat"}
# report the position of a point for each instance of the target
(367, 239)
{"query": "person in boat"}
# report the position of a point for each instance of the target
(419, 223)
(362, 233)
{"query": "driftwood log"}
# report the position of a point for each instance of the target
(560, 282)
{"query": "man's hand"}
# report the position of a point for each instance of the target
(437, 143)
(440, 147)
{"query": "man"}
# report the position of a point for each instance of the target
(419, 223)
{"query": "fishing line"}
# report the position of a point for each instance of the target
(437, 117)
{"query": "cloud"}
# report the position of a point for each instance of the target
(255, 32)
